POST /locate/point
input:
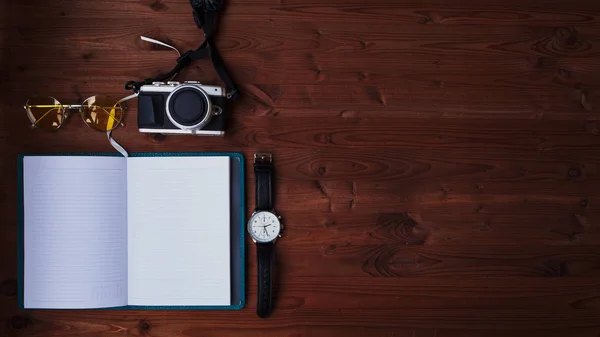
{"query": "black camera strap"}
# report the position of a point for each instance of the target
(206, 16)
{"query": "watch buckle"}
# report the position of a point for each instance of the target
(263, 158)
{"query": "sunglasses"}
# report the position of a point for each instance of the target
(101, 113)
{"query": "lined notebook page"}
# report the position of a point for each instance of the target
(75, 232)
(178, 231)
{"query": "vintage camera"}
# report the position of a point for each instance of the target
(182, 108)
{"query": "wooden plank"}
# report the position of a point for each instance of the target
(390, 318)
(375, 39)
(511, 12)
(324, 68)
(435, 227)
(71, 327)
(440, 261)
(495, 72)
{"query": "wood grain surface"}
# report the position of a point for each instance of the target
(438, 162)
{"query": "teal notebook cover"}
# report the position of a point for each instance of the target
(237, 228)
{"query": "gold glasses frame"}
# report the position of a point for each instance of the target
(63, 110)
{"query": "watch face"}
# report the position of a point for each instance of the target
(264, 226)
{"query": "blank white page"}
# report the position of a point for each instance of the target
(178, 231)
(75, 232)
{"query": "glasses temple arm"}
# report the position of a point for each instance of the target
(117, 107)
(44, 115)
(108, 113)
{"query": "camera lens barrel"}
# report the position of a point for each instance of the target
(188, 107)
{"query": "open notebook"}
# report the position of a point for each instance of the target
(107, 231)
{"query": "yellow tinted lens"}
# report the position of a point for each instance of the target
(45, 112)
(102, 113)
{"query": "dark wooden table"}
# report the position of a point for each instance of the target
(437, 161)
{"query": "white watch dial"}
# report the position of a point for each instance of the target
(264, 226)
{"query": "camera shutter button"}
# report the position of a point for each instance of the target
(173, 83)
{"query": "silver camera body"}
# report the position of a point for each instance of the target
(182, 108)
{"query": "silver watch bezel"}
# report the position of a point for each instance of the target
(248, 229)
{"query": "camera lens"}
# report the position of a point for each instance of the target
(188, 107)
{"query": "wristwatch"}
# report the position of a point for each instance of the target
(264, 227)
